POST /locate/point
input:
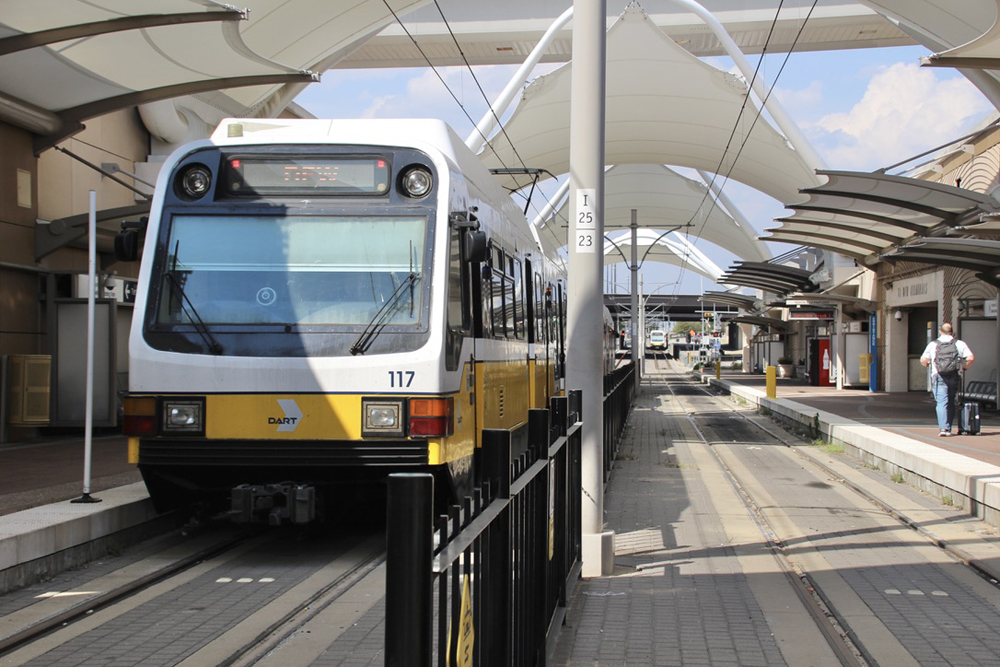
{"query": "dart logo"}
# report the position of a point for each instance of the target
(291, 418)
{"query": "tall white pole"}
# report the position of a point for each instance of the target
(586, 266)
(635, 301)
(91, 305)
(642, 329)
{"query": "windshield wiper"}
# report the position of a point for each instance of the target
(199, 325)
(374, 328)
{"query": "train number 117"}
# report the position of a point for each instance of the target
(401, 378)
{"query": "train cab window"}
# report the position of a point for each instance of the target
(259, 270)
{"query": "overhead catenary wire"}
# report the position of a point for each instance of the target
(502, 130)
(757, 116)
(451, 92)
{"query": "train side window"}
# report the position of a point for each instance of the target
(496, 290)
(517, 287)
(486, 301)
(458, 299)
(509, 307)
(552, 316)
(540, 314)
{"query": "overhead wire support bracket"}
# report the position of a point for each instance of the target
(526, 171)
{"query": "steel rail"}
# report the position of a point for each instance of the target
(842, 641)
(57, 621)
(983, 569)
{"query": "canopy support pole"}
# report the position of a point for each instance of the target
(586, 268)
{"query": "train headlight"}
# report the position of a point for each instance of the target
(383, 417)
(183, 416)
(417, 182)
(195, 181)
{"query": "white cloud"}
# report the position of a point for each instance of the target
(802, 99)
(905, 110)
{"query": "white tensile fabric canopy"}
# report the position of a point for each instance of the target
(664, 106)
(864, 214)
(981, 256)
(983, 52)
(656, 246)
(662, 199)
(64, 61)
(943, 25)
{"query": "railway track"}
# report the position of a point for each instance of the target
(845, 547)
(217, 595)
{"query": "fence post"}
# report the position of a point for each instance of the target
(575, 405)
(409, 603)
(496, 470)
(539, 436)
(496, 461)
(559, 407)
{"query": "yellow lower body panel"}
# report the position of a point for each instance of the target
(320, 417)
(283, 417)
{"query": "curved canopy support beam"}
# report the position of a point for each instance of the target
(478, 138)
(72, 119)
(32, 40)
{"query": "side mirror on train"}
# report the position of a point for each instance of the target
(128, 240)
(475, 246)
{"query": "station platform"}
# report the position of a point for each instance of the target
(42, 531)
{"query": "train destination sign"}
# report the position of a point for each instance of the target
(282, 175)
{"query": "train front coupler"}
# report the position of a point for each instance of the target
(273, 504)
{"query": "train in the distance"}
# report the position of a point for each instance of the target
(322, 302)
(657, 339)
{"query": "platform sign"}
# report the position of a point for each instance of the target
(586, 221)
(466, 630)
(873, 350)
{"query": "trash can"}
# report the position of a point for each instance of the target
(866, 361)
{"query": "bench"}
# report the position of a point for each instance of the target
(981, 391)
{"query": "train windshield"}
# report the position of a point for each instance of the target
(292, 270)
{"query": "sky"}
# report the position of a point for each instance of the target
(861, 109)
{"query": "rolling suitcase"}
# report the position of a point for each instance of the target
(968, 418)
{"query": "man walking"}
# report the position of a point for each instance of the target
(946, 357)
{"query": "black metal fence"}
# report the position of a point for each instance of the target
(619, 394)
(487, 584)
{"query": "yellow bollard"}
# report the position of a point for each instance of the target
(718, 369)
(772, 381)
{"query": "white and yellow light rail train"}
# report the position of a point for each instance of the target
(323, 302)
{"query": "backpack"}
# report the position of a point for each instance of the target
(946, 358)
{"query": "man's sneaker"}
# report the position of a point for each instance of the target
(944, 434)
